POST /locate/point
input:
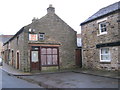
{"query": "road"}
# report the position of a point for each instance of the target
(59, 80)
(7, 81)
(74, 80)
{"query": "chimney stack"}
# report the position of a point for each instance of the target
(51, 9)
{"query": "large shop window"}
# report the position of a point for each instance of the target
(49, 56)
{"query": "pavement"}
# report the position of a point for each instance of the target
(12, 71)
(11, 82)
(49, 77)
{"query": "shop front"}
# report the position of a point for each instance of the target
(44, 56)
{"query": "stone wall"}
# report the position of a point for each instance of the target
(3, 39)
(15, 47)
(91, 37)
(56, 31)
(119, 37)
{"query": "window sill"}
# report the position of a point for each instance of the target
(105, 62)
(102, 34)
(49, 65)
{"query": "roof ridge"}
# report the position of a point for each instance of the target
(103, 11)
(110, 5)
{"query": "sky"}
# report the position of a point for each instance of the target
(14, 14)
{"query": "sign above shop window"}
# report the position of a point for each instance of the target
(33, 37)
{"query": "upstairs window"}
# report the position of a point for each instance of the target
(33, 37)
(105, 55)
(102, 28)
(41, 36)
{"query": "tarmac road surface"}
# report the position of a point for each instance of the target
(74, 80)
(7, 81)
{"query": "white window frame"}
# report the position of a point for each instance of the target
(109, 60)
(100, 28)
(43, 37)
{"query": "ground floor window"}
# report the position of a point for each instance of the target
(49, 56)
(105, 55)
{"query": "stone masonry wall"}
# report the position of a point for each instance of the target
(13, 46)
(91, 37)
(56, 31)
(119, 37)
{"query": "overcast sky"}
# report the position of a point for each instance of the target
(14, 14)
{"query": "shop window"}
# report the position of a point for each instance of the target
(49, 56)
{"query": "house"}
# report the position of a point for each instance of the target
(3, 39)
(46, 43)
(101, 39)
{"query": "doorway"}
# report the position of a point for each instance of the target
(12, 57)
(79, 57)
(34, 60)
(17, 60)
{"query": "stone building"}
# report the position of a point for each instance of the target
(3, 39)
(46, 43)
(101, 39)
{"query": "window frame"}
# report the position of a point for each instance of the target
(101, 28)
(109, 60)
(43, 37)
(52, 54)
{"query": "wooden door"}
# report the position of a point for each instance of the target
(79, 57)
(35, 65)
(17, 60)
(12, 57)
(5, 57)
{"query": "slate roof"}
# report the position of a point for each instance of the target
(102, 12)
(4, 38)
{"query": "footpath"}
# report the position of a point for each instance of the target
(64, 78)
